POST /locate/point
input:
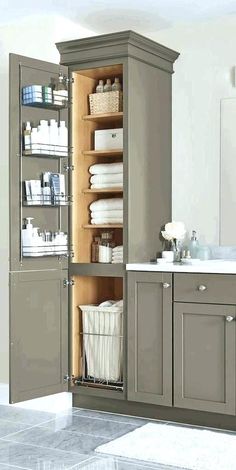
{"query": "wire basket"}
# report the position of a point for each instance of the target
(102, 334)
(108, 102)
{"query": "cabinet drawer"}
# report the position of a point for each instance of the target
(205, 288)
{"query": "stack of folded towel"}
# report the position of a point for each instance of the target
(106, 175)
(107, 211)
(117, 254)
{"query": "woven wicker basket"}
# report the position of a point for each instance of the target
(109, 102)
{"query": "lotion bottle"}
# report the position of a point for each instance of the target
(27, 137)
(194, 245)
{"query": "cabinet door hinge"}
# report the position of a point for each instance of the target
(68, 378)
(68, 283)
(70, 80)
(68, 167)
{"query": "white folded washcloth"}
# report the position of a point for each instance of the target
(107, 204)
(117, 249)
(106, 185)
(117, 261)
(107, 214)
(106, 220)
(117, 258)
(102, 168)
(108, 178)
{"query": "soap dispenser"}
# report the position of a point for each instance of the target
(194, 245)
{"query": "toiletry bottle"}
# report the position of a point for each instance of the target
(100, 87)
(35, 144)
(27, 137)
(105, 248)
(47, 195)
(95, 250)
(107, 86)
(26, 236)
(116, 86)
(60, 92)
(53, 137)
(62, 139)
(194, 245)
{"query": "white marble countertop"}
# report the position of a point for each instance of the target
(211, 266)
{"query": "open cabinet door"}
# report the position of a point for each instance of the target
(38, 293)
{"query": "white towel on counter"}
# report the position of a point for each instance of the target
(107, 204)
(108, 178)
(102, 168)
(107, 220)
(106, 185)
(107, 214)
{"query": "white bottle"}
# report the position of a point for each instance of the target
(44, 136)
(116, 86)
(107, 86)
(53, 137)
(63, 139)
(100, 87)
(27, 237)
(27, 138)
(35, 144)
(47, 195)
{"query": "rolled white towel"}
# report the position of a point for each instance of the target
(106, 185)
(107, 178)
(107, 204)
(106, 214)
(102, 168)
(106, 220)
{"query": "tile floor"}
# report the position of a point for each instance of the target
(48, 434)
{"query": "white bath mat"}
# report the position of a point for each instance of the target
(185, 447)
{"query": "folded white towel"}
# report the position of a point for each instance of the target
(106, 220)
(107, 214)
(117, 249)
(117, 261)
(108, 178)
(102, 168)
(107, 204)
(117, 258)
(106, 185)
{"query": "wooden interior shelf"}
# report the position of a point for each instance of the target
(103, 153)
(104, 117)
(103, 190)
(103, 226)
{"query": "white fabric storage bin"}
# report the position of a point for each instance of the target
(103, 342)
(108, 139)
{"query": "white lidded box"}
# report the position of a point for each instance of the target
(108, 139)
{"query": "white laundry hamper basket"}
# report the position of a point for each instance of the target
(102, 334)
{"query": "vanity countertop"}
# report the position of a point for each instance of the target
(211, 266)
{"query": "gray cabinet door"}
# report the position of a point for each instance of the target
(38, 334)
(150, 338)
(204, 357)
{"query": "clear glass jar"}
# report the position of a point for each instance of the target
(105, 247)
(95, 250)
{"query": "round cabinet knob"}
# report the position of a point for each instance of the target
(166, 285)
(229, 318)
(201, 288)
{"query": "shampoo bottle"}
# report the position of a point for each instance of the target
(62, 139)
(27, 137)
(53, 137)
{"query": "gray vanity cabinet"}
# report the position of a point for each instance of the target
(204, 357)
(150, 338)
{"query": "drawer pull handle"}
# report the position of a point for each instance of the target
(201, 288)
(166, 285)
(229, 318)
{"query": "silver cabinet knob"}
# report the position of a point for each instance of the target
(201, 288)
(166, 285)
(229, 318)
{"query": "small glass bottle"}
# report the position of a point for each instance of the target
(105, 248)
(107, 87)
(116, 86)
(95, 250)
(100, 87)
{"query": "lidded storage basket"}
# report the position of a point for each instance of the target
(108, 102)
